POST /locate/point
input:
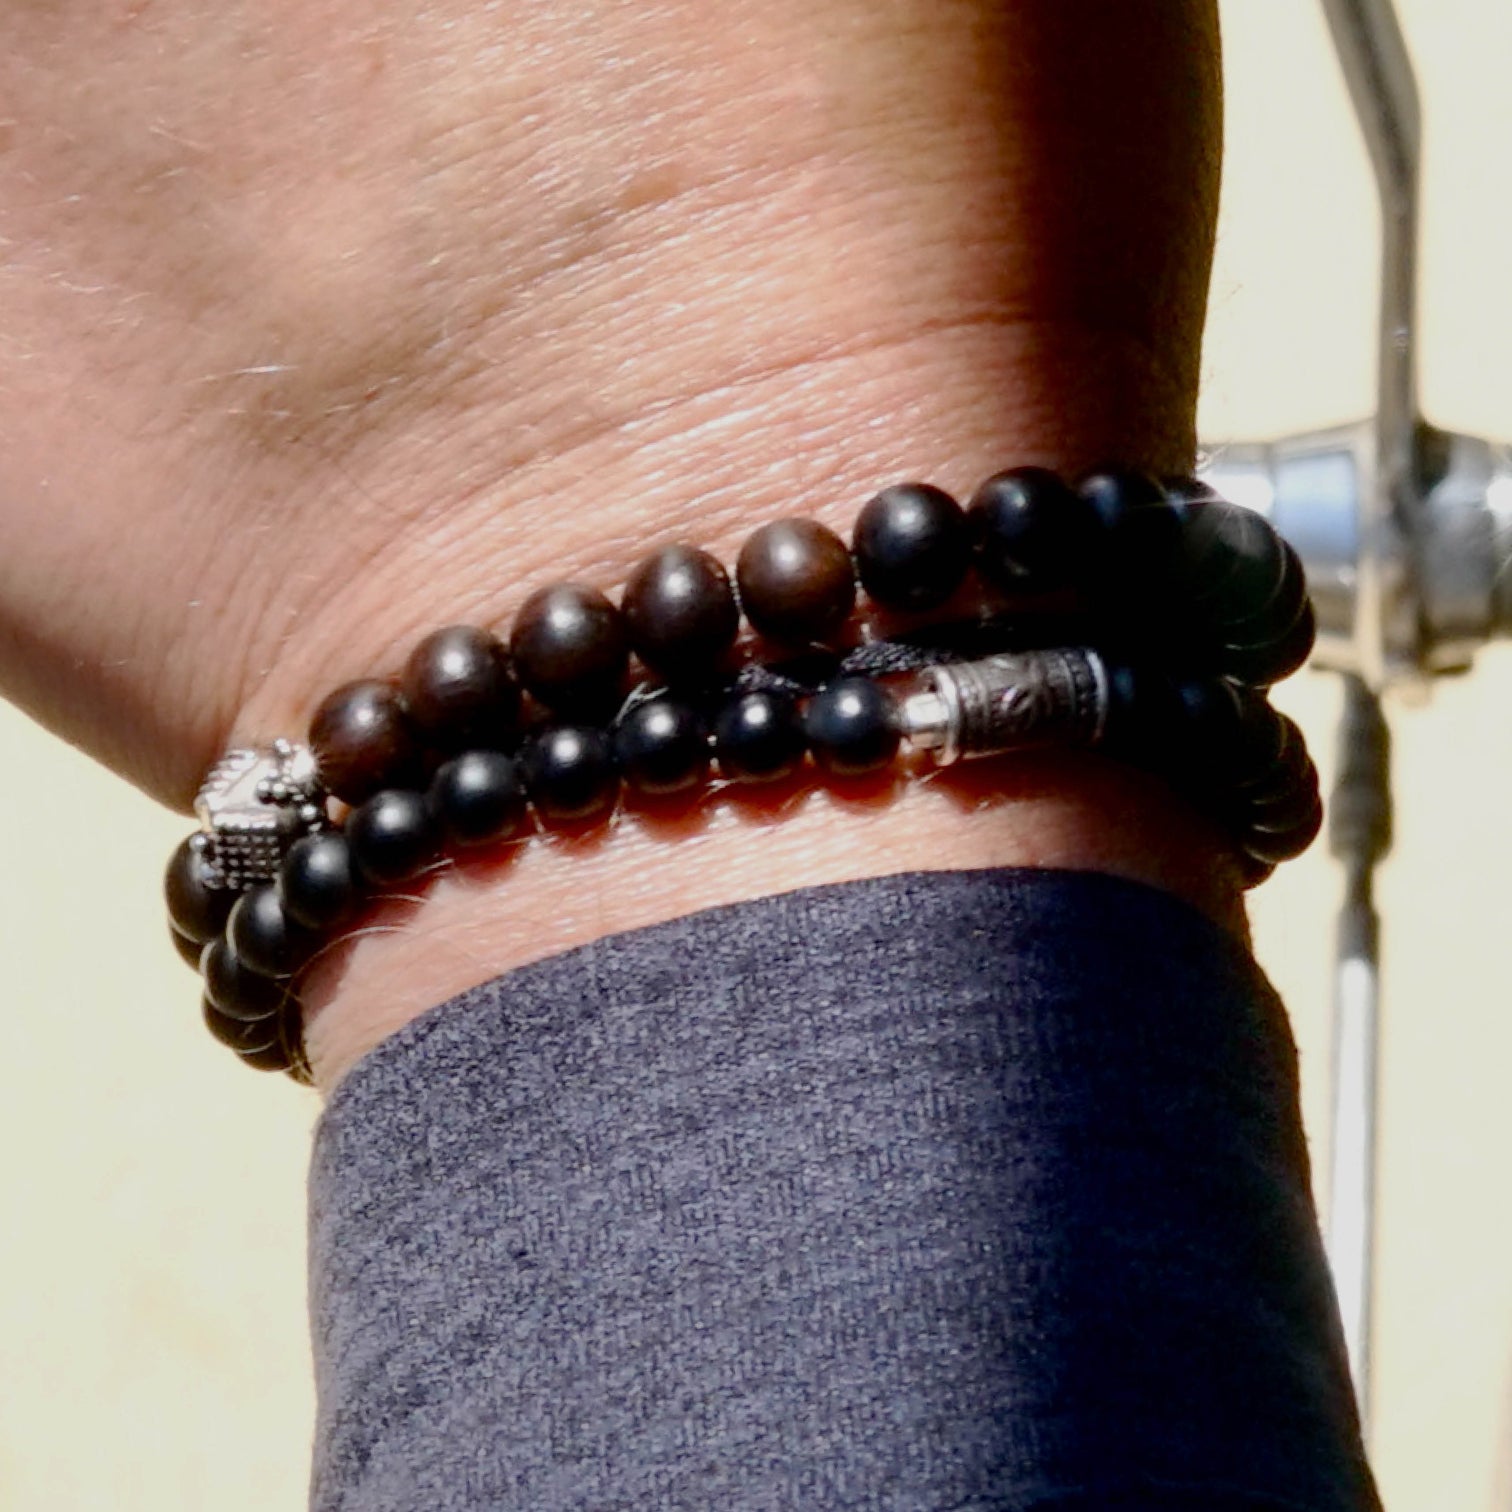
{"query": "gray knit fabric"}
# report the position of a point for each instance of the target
(968, 1191)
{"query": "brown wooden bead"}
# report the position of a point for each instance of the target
(796, 581)
(460, 691)
(570, 648)
(363, 741)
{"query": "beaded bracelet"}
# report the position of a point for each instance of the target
(1139, 619)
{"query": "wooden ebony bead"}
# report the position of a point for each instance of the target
(197, 910)
(911, 546)
(661, 746)
(1270, 661)
(1030, 531)
(274, 1057)
(190, 951)
(1234, 735)
(852, 727)
(796, 581)
(1285, 840)
(266, 940)
(245, 1036)
(1236, 571)
(478, 797)
(318, 882)
(363, 740)
(570, 648)
(569, 771)
(681, 613)
(234, 988)
(758, 737)
(393, 837)
(460, 690)
(1145, 724)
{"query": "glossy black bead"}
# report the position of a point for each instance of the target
(245, 1036)
(570, 648)
(263, 936)
(460, 690)
(1138, 556)
(235, 989)
(758, 737)
(479, 797)
(1030, 531)
(196, 909)
(393, 837)
(911, 546)
(189, 951)
(363, 740)
(852, 727)
(680, 611)
(318, 882)
(1235, 570)
(797, 583)
(661, 746)
(569, 771)
(1285, 842)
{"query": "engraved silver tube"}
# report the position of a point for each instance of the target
(1019, 701)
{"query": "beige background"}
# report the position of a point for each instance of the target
(152, 1349)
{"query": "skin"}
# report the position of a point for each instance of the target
(326, 324)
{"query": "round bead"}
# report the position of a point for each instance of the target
(235, 989)
(1235, 568)
(190, 951)
(796, 581)
(197, 910)
(1031, 532)
(681, 613)
(363, 741)
(264, 938)
(1235, 735)
(274, 1057)
(393, 837)
(852, 727)
(1285, 841)
(569, 771)
(758, 737)
(318, 883)
(1140, 550)
(1144, 724)
(460, 690)
(245, 1036)
(570, 648)
(911, 545)
(478, 797)
(661, 746)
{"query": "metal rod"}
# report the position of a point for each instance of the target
(1378, 71)
(1359, 834)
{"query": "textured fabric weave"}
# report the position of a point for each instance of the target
(968, 1192)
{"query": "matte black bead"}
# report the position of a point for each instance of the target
(318, 882)
(234, 988)
(393, 837)
(1145, 724)
(190, 951)
(681, 613)
(569, 771)
(1139, 554)
(479, 797)
(758, 737)
(1235, 735)
(570, 648)
(661, 746)
(852, 727)
(1031, 532)
(460, 690)
(363, 740)
(1269, 661)
(197, 910)
(266, 940)
(796, 581)
(245, 1036)
(912, 547)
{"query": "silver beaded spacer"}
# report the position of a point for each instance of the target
(256, 802)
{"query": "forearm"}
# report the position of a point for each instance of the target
(468, 310)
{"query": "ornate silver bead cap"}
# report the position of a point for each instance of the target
(1015, 702)
(253, 806)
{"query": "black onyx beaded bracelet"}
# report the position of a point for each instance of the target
(1140, 619)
